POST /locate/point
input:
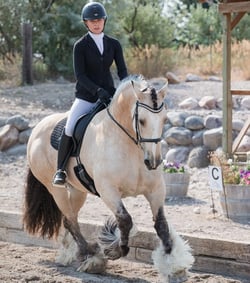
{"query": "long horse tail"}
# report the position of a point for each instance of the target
(41, 214)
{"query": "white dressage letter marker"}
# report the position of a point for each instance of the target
(215, 178)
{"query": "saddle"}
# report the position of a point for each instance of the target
(78, 135)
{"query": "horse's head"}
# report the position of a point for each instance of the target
(149, 116)
(145, 118)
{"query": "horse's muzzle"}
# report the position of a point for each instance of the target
(152, 164)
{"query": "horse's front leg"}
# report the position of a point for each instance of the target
(162, 230)
(173, 256)
(156, 201)
(125, 224)
(114, 236)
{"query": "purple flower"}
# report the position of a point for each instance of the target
(245, 176)
(173, 167)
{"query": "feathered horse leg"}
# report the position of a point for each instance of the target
(173, 256)
(89, 254)
(68, 249)
(114, 236)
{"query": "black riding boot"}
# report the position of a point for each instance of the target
(64, 152)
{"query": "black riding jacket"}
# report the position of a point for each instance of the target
(92, 70)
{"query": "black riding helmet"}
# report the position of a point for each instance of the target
(93, 11)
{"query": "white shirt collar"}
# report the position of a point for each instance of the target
(98, 39)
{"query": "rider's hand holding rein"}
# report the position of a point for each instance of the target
(104, 96)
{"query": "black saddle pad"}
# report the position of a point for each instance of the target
(79, 130)
(57, 132)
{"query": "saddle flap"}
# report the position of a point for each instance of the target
(79, 131)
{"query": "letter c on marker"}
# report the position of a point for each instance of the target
(214, 175)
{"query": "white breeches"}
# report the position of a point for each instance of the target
(78, 108)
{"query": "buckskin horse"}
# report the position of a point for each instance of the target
(121, 152)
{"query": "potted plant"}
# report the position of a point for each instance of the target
(235, 198)
(176, 179)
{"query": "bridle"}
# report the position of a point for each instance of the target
(139, 139)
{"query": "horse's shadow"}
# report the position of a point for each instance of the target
(111, 275)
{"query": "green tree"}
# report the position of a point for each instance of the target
(55, 31)
(197, 27)
(146, 25)
(242, 31)
(11, 17)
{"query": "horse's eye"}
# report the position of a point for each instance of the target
(144, 90)
(142, 122)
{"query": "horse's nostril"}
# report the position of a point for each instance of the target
(147, 163)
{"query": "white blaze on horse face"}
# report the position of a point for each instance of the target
(150, 127)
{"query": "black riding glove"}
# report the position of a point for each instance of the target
(103, 95)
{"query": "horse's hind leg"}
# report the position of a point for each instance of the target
(70, 201)
(116, 243)
(67, 252)
(90, 256)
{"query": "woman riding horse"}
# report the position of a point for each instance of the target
(121, 152)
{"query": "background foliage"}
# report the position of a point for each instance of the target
(150, 31)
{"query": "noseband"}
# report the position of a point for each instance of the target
(139, 139)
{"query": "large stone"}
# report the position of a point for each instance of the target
(245, 103)
(208, 102)
(214, 79)
(177, 154)
(177, 119)
(213, 138)
(172, 78)
(8, 137)
(237, 125)
(178, 136)
(213, 121)
(197, 138)
(193, 78)
(189, 103)
(194, 122)
(19, 149)
(198, 157)
(19, 122)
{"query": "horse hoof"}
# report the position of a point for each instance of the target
(125, 250)
(112, 254)
(178, 277)
(93, 264)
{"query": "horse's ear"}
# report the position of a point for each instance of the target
(163, 91)
(135, 88)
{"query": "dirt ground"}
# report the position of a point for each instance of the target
(20, 263)
(191, 215)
